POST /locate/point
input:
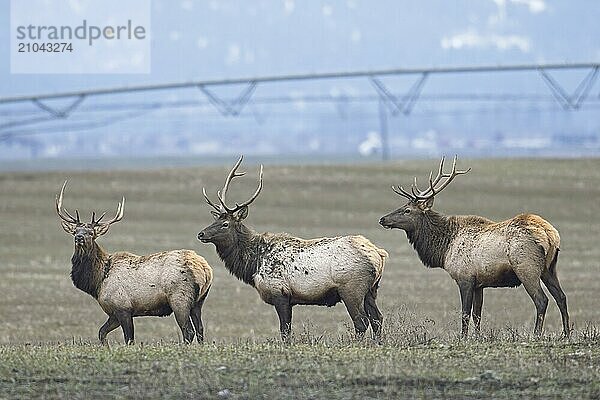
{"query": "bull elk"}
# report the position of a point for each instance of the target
(479, 253)
(126, 285)
(288, 271)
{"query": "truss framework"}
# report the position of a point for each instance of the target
(387, 100)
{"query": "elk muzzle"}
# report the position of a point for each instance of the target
(385, 222)
(79, 239)
(202, 237)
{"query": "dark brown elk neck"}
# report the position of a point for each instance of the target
(432, 238)
(241, 258)
(89, 267)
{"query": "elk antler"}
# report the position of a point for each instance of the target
(256, 193)
(221, 194)
(210, 203)
(232, 174)
(61, 212)
(69, 220)
(416, 194)
(117, 218)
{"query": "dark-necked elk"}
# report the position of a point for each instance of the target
(480, 253)
(127, 285)
(288, 271)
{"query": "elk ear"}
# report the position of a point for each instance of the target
(215, 214)
(242, 214)
(101, 229)
(427, 204)
(69, 228)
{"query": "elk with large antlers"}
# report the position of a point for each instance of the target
(126, 285)
(288, 271)
(479, 253)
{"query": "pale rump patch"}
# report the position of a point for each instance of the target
(203, 273)
(376, 255)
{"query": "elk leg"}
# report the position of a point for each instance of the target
(110, 325)
(551, 282)
(477, 305)
(466, 298)
(360, 319)
(528, 262)
(375, 316)
(183, 320)
(126, 321)
(196, 314)
(284, 312)
(534, 289)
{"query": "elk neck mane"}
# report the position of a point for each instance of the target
(432, 238)
(89, 267)
(242, 257)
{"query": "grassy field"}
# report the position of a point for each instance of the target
(48, 328)
(302, 371)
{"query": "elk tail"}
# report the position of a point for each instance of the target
(202, 297)
(552, 267)
(554, 248)
(383, 256)
(373, 289)
(374, 255)
(207, 284)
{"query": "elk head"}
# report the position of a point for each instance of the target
(84, 233)
(228, 220)
(409, 216)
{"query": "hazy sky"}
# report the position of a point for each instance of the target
(202, 40)
(212, 39)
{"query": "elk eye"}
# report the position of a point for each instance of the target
(225, 224)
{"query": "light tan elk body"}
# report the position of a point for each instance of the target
(288, 271)
(479, 253)
(127, 285)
